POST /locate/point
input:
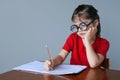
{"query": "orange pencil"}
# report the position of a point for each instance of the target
(49, 56)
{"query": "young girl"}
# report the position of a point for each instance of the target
(85, 43)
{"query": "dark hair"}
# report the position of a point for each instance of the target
(88, 12)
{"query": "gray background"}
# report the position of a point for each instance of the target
(26, 26)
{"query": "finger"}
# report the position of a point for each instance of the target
(89, 30)
(52, 64)
(49, 62)
(49, 65)
(94, 29)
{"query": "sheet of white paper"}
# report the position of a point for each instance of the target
(37, 66)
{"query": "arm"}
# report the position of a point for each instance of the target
(60, 58)
(56, 61)
(94, 59)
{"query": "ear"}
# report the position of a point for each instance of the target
(96, 22)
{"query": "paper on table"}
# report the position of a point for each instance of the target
(37, 66)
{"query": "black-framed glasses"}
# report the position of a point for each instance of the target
(82, 26)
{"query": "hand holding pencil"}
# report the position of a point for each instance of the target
(49, 64)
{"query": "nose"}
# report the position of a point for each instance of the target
(79, 29)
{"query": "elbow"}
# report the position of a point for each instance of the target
(93, 65)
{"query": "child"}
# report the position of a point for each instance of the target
(85, 43)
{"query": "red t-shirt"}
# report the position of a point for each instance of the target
(75, 45)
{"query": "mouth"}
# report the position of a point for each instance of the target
(81, 33)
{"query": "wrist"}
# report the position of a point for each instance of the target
(86, 42)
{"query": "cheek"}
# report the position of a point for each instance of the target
(93, 25)
(81, 33)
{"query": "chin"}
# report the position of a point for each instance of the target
(82, 36)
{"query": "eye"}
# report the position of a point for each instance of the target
(73, 28)
(83, 26)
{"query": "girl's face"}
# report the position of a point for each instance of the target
(86, 23)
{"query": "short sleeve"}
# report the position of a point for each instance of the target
(68, 45)
(103, 47)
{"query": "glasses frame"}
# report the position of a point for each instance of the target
(81, 27)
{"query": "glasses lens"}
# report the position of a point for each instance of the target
(73, 28)
(83, 26)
